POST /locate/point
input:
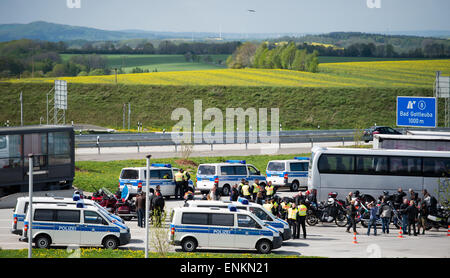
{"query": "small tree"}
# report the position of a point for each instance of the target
(158, 234)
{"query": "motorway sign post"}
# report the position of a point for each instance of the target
(417, 111)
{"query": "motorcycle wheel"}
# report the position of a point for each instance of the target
(364, 224)
(312, 220)
(341, 220)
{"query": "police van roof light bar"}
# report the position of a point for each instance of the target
(162, 165)
(301, 158)
(243, 201)
(236, 161)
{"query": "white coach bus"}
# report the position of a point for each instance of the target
(372, 171)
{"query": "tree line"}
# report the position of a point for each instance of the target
(274, 56)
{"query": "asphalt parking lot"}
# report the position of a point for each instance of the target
(325, 240)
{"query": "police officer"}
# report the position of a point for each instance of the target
(301, 219)
(179, 184)
(269, 190)
(255, 189)
(268, 205)
(240, 187)
(246, 191)
(292, 219)
(186, 178)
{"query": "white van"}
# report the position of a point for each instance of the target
(292, 173)
(221, 228)
(69, 224)
(225, 175)
(259, 211)
(160, 174)
(22, 206)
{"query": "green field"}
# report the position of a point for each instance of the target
(161, 63)
(337, 59)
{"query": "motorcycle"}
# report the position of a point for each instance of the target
(126, 209)
(440, 219)
(332, 211)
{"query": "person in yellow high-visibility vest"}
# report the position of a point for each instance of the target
(256, 188)
(246, 191)
(268, 205)
(292, 213)
(269, 189)
(301, 220)
(179, 182)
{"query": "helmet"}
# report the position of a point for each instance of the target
(385, 192)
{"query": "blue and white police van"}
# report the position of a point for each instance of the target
(226, 174)
(22, 203)
(292, 173)
(243, 204)
(160, 174)
(74, 224)
(193, 227)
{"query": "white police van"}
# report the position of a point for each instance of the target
(160, 174)
(193, 227)
(74, 224)
(259, 211)
(22, 203)
(292, 173)
(225, 175)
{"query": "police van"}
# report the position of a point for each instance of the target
(160, 174)
(259, 211)
(74, 224)
(225, 175)
(292, 173)
(21, 208)
(193, 227)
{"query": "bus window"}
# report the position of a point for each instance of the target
(339, 164)
(436, 167)
(371, 165)
(405, 166)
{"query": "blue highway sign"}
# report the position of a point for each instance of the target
(417, 111)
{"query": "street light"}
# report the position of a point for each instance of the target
(147, 186)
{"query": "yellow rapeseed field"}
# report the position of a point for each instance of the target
(416, 73)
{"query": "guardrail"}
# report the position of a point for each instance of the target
(165, 139)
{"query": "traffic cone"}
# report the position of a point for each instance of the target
(354, 238)
(448, 230)
(400, 233)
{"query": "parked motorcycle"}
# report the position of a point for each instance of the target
(126, 209)
(440, 219)
(332, 211)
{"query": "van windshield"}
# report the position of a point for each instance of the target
(130, 174)
(208, 170)
(275, 166)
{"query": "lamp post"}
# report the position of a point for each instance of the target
(147, 187)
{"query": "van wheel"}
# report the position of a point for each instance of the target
(226, 190)
(189, 245)
(295, 186)
(42, 242)
(264, 247)
(111, 243)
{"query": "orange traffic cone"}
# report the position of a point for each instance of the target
(354, 238)
(400, 233)
(448, 230)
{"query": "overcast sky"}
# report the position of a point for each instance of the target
(274, 16)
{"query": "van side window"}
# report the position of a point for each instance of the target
(260, 214)
(43, 215)
(245, 221)
(252, 171)
(240, 170)
(299, 167)
(221, 219)
(72, 216)
(194, 218)
(91, 217)
(130, 174)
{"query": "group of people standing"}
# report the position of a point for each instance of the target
(156, 202)
(181, 178)
(412, 210)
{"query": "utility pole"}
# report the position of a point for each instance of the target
(21, 109)
(30, 205)
(147, 206)
(129, 115)
(124, 107)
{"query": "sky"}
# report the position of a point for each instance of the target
(233, 16)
